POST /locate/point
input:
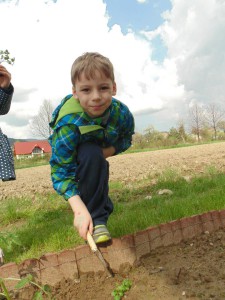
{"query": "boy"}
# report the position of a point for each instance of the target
(89, 126)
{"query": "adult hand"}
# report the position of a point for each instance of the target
(5, 77)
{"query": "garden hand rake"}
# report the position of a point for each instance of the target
(95, 250)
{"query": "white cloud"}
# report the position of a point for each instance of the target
(194, 34)
(142, 1)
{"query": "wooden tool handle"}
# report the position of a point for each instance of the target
(91, 242)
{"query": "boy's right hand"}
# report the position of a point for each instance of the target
(82, 218)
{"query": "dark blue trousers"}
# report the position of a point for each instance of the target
(93, 178)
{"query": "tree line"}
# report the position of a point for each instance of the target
(203, 124)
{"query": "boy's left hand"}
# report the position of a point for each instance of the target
(109, 151)
(5, 77)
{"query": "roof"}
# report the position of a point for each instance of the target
(21, 148)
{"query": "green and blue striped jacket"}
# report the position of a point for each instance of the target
(72, 126)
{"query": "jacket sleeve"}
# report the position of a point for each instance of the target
(126, 131)
(5, 99)
(64, 160)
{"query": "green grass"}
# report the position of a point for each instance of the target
(161, 147)
(31, 162)
(45, 224)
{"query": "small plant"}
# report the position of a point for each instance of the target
(120, 290)
(5, 57)
(42, 290)
(8, 240)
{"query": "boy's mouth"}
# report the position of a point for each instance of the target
(96, 107)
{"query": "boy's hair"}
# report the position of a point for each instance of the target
(89, 63)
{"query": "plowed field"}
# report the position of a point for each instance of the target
(127, 168)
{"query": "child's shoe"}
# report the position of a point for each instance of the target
(101, 234)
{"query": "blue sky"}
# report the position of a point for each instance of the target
(167, 55)
(139, 16)
(136, 15)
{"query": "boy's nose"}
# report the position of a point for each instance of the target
(96, 95)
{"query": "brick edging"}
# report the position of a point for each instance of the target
(53, 267)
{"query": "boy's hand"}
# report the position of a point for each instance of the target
(82, 218)
(107, 152)
(5, 77)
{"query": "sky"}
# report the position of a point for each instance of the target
(167, 54)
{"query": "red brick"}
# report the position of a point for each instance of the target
(87, 261)
(48, 260)
(30, 266)
(175, 225)
(127, 241)
(177, 232)
(118, 257)
(191, 227)
(10, 270)
(198, 229)
(216, 219)
(67, 264)
(69, 270)
(121, 251)
(116, 244)
(166, 234)
(155, 237)
(66, 256)
(142, 245)
(177, 237)
(51, 275)
(222, 217)
(141, 237)
(82, 252)
(207, 222)
(124, 242)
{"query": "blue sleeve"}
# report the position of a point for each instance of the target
(125, 135)
(63, 161)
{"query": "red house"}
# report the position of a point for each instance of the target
(31, 149)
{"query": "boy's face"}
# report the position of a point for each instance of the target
(94, 95)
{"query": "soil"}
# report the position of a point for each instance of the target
(190, 270)
(127, 168)
(193, 270)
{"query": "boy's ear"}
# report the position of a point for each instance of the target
(74, 92)
(114, 89)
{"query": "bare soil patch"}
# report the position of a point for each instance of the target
(126, 168)
(191, 270)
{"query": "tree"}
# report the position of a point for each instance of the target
(40, 123)
(5, 57)
(153, 137)
(197, 119)
(138, 140)
(221, 125)
(213, 116)
(181, 131)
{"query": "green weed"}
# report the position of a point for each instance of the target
(28, 280)
(120, 290)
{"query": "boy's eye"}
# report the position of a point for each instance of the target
(85, 90)
(104, 87)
